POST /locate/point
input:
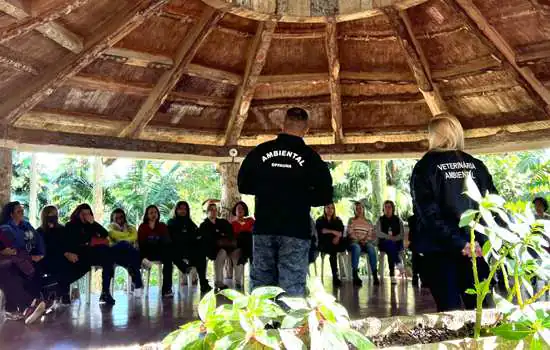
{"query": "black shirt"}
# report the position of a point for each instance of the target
(287, 178)
(79, 235)
(334, 225)
(437, 189)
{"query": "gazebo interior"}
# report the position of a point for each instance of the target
(196, 78)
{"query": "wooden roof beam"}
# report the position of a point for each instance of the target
(25, 98)
(488, 35)
(331, 44)
(189, 47)
(416, 60)
(533, 53)
(27, 23)
(257, 55)
(481, 64)
(13, 60)
(44, 24)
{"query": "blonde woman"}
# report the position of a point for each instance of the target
(362, 238)
(437, 188)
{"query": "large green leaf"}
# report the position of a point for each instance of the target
(267, 292)
(291, 340)
(269, 338)
(513, 331)
(231, 341)
(207, 305)
(231, 294)
(468, 217)
(357, 339)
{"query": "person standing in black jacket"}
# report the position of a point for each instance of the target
(87, 243)
(287, 178)
(416, 258)
(188, 243)
(437, 188)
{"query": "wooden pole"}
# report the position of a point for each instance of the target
(98, 188)
(5, 175)
(230, 190)
(33, 196)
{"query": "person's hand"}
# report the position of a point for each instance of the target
(336, 240)
(8, 252)
(37, 258)
(71, 257)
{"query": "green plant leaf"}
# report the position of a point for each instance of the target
(241, 302)
(295, 303)
(468, 217)
(503, 305)
(357, 339)
(545, 336)
(231, 294)
(267, 292)
(246, 322)
(470, 291)
(183, 336)
(472, 190)
(512, 331)
(535, 343)
(231, 341)
(332, 338)
(269, 309)
(268, 338)
(327, 313)
(486, 248)
(291, 341)
(169, 339)
(293, 320)
(198, 344)
(314, 333)
(207, 305)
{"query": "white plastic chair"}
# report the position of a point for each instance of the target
(128, 281)
(147, 278)
(344, 266)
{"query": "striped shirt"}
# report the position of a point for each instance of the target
(361, 230)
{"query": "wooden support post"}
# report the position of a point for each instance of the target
(488, 35)
(331, 44)
(229, 172)
(25, 98)
(98, 205)
(5, 175)
(415, 59)
(168, 81)
(33, 195)
(257, 55)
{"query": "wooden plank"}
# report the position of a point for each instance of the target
(50, 29)
(306, 78)
(29, 23)
(481, 28)
(25, 98)
(331, 45)
(433, 98)
(533, 53)
(189, 47)
(480, 65)
(317, 101)
(14, 60)
(257, 55)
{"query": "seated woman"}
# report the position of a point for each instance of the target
(330, 230)
(361, 238)
(87, 243)
(123, 237)
(188, 243)
(155, 245)
(223, 245)
(21, 250)
(243, 226)
(57, 261)
(390, 232)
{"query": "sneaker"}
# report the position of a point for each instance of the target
(336, 282)
(106, 298)
(146, 264)
(393, 280)
(138, 292)
(14, 316)
(36, 313)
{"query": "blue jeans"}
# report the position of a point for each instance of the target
(392, 250)
(280, 261)
(356, 249)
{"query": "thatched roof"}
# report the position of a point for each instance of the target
(197, 77)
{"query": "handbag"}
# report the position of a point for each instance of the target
(98, 241)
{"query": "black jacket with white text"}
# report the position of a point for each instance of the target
(287, 178)
(437, 189)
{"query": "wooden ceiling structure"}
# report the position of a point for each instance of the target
(191, 78)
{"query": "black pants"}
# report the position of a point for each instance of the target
(15, 284)
(65, 272)
(416, 267)
(198, 260)
(327, 247)
(448, 277)
(244, 242)
(125, 255)
(163, 252)
(99, 256)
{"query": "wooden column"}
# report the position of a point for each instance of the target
(33, 196)
(230, 191)
(98, 206)
(5, 175)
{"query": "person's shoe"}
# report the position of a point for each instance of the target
(336, 282)
(356, 279)
(107, 299)
(66, 300)
(138, 292)
(168, 294)
(36, 312)
(146, 264)
(14, 316)
(376, 281)
(393, 280)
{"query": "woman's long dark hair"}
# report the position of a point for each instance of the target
(325, 212)
(7, 211)
(118, 211)
(75, 216)
(145, 216)
(393, 213)
(46, 211)
(179, 204)
(245, 207)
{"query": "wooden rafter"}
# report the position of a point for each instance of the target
(189, 47)
(415, 59)
(13, 60)
(49, 28)
(488, 35)
(331, 44)
(477, 66)
(257, 55)
(25, 98)
(532, 53)
(28, 23)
